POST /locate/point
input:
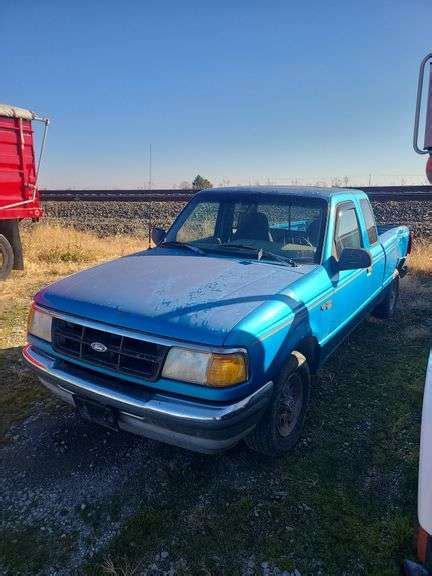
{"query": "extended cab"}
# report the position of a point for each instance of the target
(212, 336)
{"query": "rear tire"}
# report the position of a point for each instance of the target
(6, 257)
(387, 307)
(280, 427)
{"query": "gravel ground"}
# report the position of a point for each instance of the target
(74, 484)
(107, 218)
(60, 474)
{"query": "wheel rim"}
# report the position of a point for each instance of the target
(290, 405)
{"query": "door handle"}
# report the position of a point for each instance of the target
(369, 270)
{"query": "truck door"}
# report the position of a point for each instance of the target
(350, 286)
(375, 274)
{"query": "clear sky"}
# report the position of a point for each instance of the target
(237, 90)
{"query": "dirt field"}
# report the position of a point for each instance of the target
(77, 499)
(107, 218)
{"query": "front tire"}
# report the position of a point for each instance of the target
(6, 257)
(279, 429)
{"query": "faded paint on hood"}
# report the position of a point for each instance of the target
(170, 293)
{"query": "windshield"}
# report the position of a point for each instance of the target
(290, 227)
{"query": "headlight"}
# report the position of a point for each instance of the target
(39, 324)
(205, 368)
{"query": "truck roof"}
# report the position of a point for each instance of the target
(306, 191)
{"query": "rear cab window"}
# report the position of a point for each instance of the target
(369, 219)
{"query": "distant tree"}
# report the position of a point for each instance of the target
(200, 183)
(185, 185)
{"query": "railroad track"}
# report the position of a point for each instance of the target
(118, 195)
(377, 193)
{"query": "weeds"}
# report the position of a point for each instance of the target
(55, 244)
(420, 261)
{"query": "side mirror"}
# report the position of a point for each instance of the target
(157, 235)
(353, 259)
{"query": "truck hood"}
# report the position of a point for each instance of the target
(168, 293)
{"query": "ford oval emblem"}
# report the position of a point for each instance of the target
(98, 347)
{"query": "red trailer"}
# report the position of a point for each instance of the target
(19, 197)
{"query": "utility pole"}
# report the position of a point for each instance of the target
(150, 167)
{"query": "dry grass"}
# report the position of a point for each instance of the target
(57, 245)
(122, 568)
(420, 261)
(52, 252)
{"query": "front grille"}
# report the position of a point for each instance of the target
(119, 353)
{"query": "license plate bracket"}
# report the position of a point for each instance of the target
(96, 412)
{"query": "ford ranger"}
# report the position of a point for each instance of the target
(212, 336)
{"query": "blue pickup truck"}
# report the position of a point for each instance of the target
(212, 336)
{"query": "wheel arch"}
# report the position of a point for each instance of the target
(311, 350)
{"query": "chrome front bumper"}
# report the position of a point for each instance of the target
(195, 425)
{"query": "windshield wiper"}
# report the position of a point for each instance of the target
(269, 254)
(262, 252)
(176, 244)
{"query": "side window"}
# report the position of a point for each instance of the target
(347, 229)
(369, 221)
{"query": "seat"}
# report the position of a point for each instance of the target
(253, 226)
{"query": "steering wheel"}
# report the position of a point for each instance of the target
(303, 241)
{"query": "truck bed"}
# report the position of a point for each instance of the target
(395, 241)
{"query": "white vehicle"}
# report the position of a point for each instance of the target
(424, 537)
(424, 505)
